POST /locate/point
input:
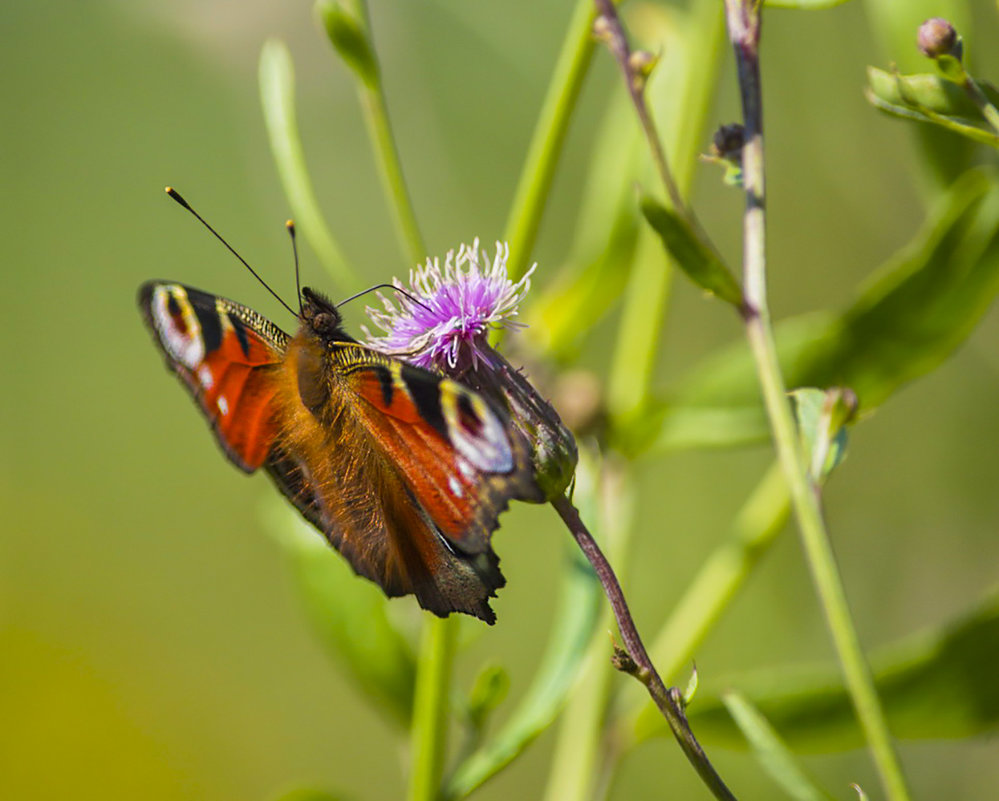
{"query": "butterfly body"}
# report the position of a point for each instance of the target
(404, 471)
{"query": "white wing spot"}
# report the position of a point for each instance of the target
(465, 468)
(223, 405)
(456, 488)
(205, 377)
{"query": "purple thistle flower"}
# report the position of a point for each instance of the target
(445, 326)
(458, 306)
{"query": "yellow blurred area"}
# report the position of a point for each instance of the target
(151, 642)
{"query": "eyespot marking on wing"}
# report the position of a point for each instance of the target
(177, 325)
(474, 429)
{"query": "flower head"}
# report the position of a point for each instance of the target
(445, 320)
(442, 322)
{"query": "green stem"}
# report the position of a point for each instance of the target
(744, 28)
(549, 134)
(429, 733)
(372, 98)
(989, 111)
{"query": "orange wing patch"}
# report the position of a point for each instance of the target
(227, 361)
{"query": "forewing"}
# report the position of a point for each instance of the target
(227, 356)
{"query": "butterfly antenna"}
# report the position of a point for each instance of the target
(177, 196)
(393, 287)
(290, 225)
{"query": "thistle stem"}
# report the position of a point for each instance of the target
(640, 665)
(743, 17)
(429, 733)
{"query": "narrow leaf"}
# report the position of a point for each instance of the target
(488, 691)
(277, 96)
(348, 614)
(771, 751)
(934, 685)
(701, 264)
(350, 41)
(820, 421)
(572, 628)
(927, 92)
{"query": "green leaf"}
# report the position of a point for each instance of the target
(277, 96)
(488, 691)
(931, 99)
(909, 318)
(691, 689)
(934, 685)
(820, 416)
(350, 40)
(701, 264)
(926, 92)
(572, 628)
(771, 751)
(348, 613)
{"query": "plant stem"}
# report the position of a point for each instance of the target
(989, 111)
(372, 99)
(641, 667)
(546, 144)
(429, 733)
(743, 19)
(691, 70)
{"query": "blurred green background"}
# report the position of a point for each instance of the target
(151, 641)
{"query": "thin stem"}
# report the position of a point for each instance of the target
(640, 664)
(429, 733)
(372, 97)
(744, 30)
(609, 28)
(546, 144)
(639, 334)
(989, 111)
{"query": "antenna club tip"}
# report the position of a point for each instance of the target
(169, 190)
(289, 224)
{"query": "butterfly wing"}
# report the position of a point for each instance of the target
(405, 472)
(227, 356)
(460, 457)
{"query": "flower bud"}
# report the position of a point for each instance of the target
(937, 37)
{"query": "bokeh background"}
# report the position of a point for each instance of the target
(152, 644)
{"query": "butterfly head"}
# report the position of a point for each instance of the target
(322, 317)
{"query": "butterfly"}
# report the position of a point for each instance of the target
(403, 470)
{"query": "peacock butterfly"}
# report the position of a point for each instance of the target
(403, 470)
